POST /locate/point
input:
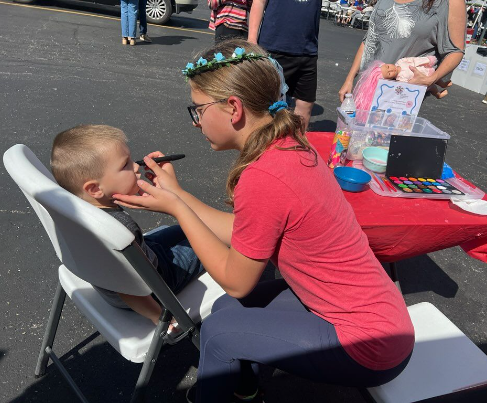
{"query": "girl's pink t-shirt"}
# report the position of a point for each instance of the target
(291, 210)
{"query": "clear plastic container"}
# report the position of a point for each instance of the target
(362, 137)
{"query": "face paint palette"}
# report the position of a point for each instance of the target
(424, 186)
(431, 188)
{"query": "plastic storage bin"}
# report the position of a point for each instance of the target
(363, 137)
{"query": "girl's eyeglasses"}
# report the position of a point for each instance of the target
(196, 111)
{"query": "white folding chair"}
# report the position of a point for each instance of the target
(325, 8)
(444, 361)
(94, 248)
(364, 18)
(332, 10)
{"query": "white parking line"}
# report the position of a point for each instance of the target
(104, 17)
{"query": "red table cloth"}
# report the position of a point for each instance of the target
(399, 228)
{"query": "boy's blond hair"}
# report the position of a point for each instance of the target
(77, 154)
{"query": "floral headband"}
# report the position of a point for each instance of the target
(238, 55)
(203, 65)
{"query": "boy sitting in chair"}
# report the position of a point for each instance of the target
(93, 162)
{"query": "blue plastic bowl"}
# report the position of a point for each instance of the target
(351, 179)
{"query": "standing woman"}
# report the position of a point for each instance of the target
(129, 10)
(412, 28)
(336, 317)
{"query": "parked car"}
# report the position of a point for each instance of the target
(158, 11)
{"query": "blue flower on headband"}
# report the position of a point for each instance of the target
(201, 62)
(238, 52)
(219, 57)
(188, 69)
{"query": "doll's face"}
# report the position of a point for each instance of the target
(389, 71)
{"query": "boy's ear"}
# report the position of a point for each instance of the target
(92, 189)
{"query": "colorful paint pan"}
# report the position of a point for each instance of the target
(426, 186)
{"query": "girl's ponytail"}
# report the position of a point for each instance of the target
(284, 124)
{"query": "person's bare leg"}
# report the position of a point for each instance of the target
(444, 84)
(303, 109)
(438, 94)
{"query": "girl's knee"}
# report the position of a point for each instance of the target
(224, 301)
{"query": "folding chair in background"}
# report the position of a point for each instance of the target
(79, 231)
(325, 8)
(364, 19)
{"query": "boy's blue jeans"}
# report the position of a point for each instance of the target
(129, 17)
(142, 17)
(178, 264)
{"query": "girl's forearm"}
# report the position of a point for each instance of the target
(211, 251)
(219, 222)
(236, 273)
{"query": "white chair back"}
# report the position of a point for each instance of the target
(85, 238)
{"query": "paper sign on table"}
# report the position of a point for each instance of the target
(395, 105)
(480, 69)
(463, 66)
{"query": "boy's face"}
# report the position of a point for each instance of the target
(120, 174)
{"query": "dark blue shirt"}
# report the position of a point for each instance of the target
(291, 27)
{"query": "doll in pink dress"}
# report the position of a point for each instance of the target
(367, 82)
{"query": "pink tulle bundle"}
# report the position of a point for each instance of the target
(366, 84)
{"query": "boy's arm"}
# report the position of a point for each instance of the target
(145, 306)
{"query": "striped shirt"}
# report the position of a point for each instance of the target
(231, 13)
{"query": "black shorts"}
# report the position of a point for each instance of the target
(222, 32)
(301, 74)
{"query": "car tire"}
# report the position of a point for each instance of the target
(25, 1)
(158, 11)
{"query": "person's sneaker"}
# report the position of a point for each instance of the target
(257, 398)
(484, 100)
(145, 38)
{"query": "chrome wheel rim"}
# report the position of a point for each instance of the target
(156, 9)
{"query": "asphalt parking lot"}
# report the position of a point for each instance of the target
(64, 65)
